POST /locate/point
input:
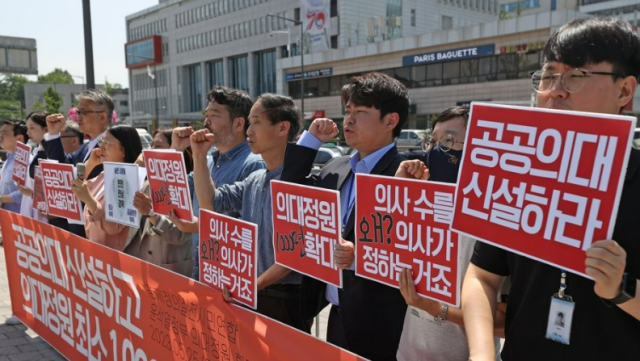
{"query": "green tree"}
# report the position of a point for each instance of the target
(53, 100)
(38, 105)
(12, 87)
(57, 76)
(10, 109)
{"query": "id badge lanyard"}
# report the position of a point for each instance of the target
(560, 313)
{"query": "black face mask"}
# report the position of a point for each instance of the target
(443, 166)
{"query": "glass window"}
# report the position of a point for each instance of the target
(265, 70)
(195, 88)
(434, 74)
(451, 73)
(469, 71)
(294, 89)
(507, 66)
(403, 75)
(419, 76)
(526, 63)
(238, 73)
(324, 86)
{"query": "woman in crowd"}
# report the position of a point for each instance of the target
(120, 144)
(158, 241)
(36, 128)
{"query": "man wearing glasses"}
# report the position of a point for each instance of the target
(95, 109)
(589, 65)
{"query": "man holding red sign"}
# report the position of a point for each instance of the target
(590, 65)
(366, 316)
(274, 119)
(12, 131)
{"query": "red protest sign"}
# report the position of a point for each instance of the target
(39, 199)
(91, 302)
(61, 202)
(168, 183)
(306, 228)
(544, 184)
(404, 223)
(228, 256)
(21, 163)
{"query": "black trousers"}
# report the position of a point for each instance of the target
(282, 302)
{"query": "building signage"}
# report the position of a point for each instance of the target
(309, 74)
(446, 55)
(522, 48)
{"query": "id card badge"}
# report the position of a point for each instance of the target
(560, 317)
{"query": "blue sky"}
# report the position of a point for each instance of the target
(58, 29)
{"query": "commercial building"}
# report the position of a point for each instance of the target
(446, 52)
(34, 93)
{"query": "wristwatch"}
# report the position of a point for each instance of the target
(627, 291)
(442, 316)
(151, 213)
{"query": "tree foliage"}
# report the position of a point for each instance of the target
(57, 76)
(53, 100)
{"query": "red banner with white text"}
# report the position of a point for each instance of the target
(543, 183)
(91, 302)
(405, 223)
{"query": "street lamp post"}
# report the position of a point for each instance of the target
(296, 22)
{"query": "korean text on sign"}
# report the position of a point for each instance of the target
(39, 200)
(61, 201)
(167, 176)
(306, 228)
(21, 163)
(403, 223)
(228, 256)
(542, 183)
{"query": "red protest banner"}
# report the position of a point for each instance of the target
(404, 223)
(228, 256)
(21, 163)
(306, 228)
(91, 302)
(39, 199)
(61, 202)
(544, 184)
(168, 183)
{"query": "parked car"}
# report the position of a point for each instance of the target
(145, 138)
(410, 139)
(325, 154)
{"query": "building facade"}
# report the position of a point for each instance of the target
(236, 43)
(34, 93)
(447, 52)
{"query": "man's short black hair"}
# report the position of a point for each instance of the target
(19, 127)
(453, 112)
(595, 40)
(379, 91)
(237, 102)
(281, 108)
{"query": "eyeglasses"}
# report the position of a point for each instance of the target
(446, 142)
(82, 112)
(104, 142)
(572, 80)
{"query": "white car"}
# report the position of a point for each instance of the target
(410, 139)
(145, 138)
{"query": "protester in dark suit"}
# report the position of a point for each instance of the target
(95, 109)
(366, 317)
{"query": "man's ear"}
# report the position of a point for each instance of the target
(237, 125)
(391, 120)
(628, 88)
(283, 128)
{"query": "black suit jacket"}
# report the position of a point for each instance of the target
(55, 151)
(372, 313)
